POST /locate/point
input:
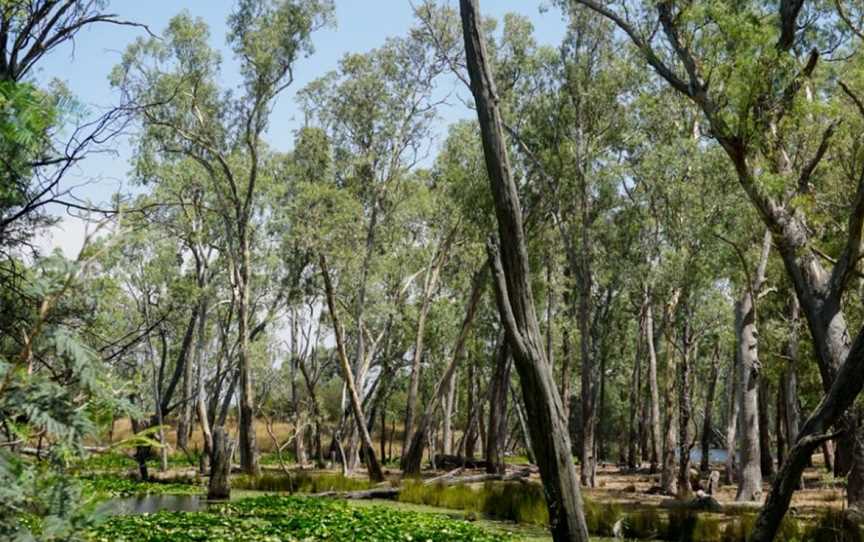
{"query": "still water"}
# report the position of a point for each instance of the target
(148, 504)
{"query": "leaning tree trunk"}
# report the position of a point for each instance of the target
(707, 425)
(375, 473)
(498, 410)
(515, 301)
(845, 388)
(523, 426)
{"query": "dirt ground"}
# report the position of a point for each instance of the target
(618, 486)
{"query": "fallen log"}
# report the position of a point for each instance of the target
(375, 493)
(444, 476)
(705, 503)
(519, 475)
(443, 461)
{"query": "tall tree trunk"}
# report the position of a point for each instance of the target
(500, 385)
(730, 473)
(765, 455)
(633, 432)
(184, 420)
(516, 303)
(447, 424)
(668, 474)
(750, 470)
(566, 371)
(685, 439)
(200, 403)
(790, 375)
(299, 428)
(645, 424)
(600, 453)
(550, 311)
(470, 436)
(384, 434)
(707, 423)
(656, 438)
(375, 473)
(588, 466)
(780, 421)
(248, 444)
(429, 284)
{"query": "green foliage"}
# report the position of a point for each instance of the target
(59, 399)
(40, 502)
(26, 115)
(278, 519)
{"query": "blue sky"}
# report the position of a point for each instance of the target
(361, 25)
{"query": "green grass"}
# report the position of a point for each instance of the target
(522, 503)
(283, 519)
(300, 482)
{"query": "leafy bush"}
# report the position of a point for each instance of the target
(278, 519)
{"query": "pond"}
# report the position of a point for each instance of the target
(715, 455)
(149, 504)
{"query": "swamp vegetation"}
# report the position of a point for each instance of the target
(591, 270)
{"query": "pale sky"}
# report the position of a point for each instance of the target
(361, 25)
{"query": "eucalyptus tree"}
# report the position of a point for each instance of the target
(509, 263)
(457, 203)
(570, 132)
(377, 111)
(171, 85)
(151, 281)
(754, 101)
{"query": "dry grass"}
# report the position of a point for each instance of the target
(283, 431)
